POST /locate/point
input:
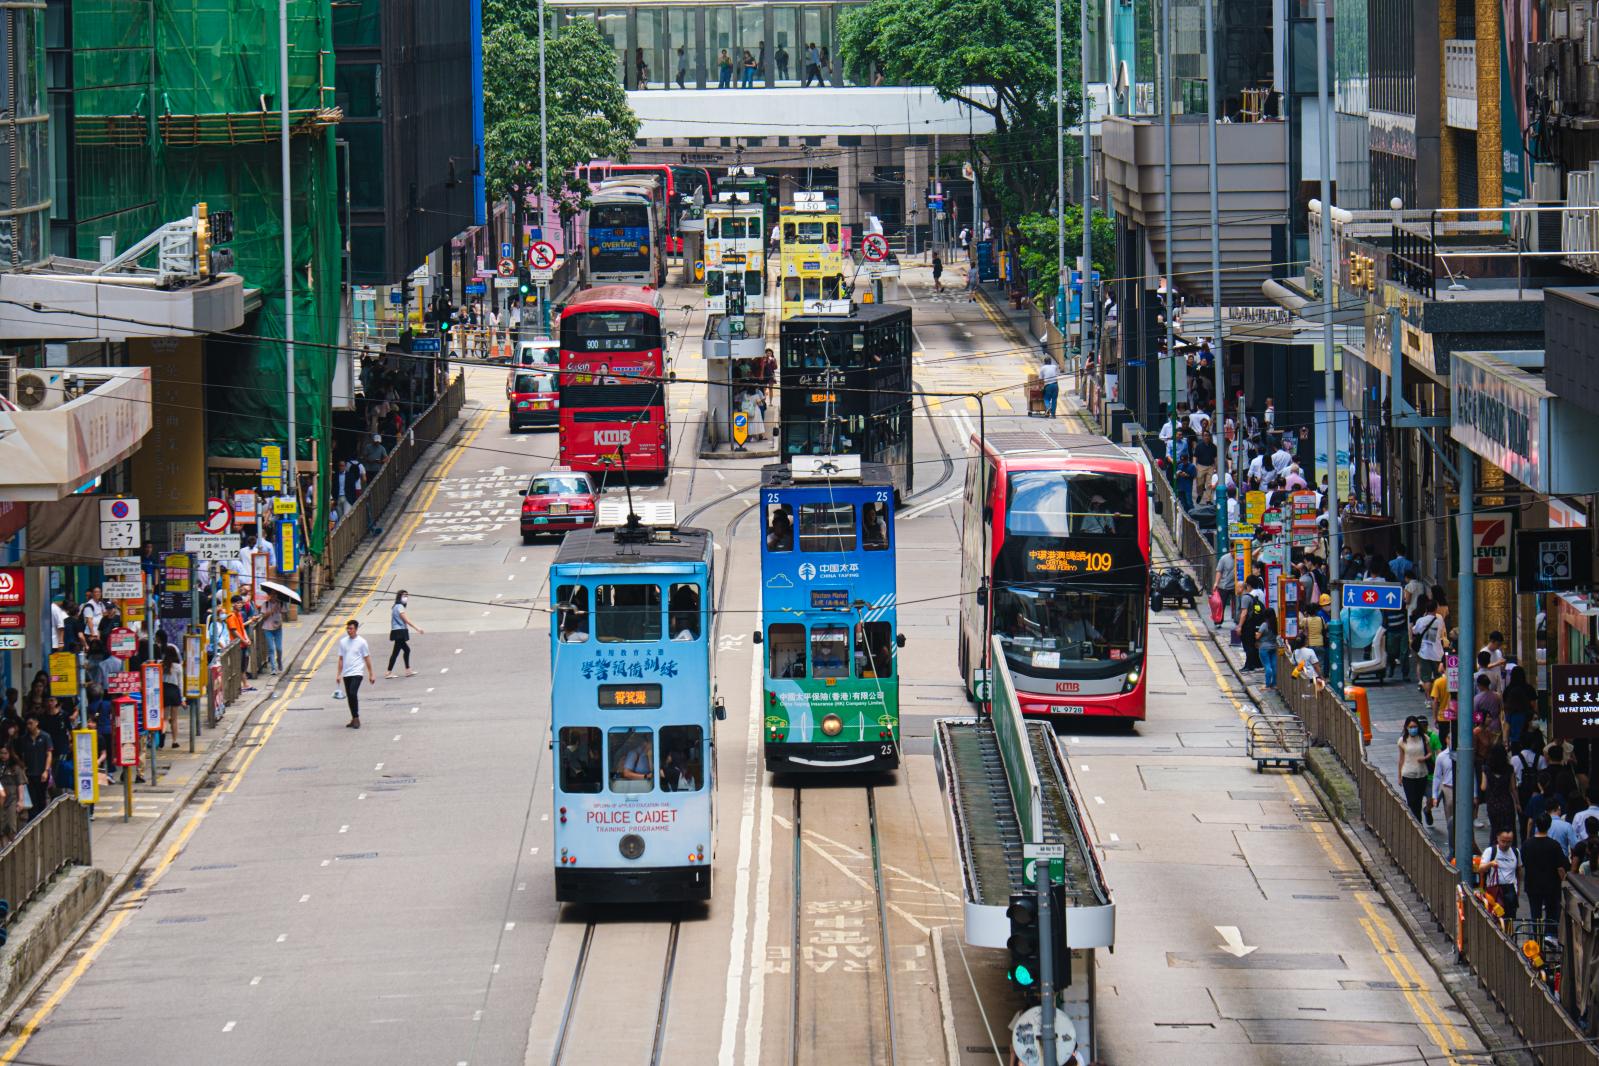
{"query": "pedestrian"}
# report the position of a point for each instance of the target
(1520, 702)
(1403, 569)
(1184, 482)
(938, 272)
(355, 660)
(724, 70)
(1413, 765)
(38, 758)
(1306, 664)
(1205, 453)
(400, 626)
(782, 62)
(1049, 374)
(1501, 872)
(171, 691)
(1496, 791)
(1427, 641)
(1544, 866)
(641, 69)
(813, 65)
(1560, 830)
(1488, 712)
(747, 78)
(1443, 795)
(682, 66)
(1396, 644)
(1315, 625)
(1254, 614)
(1268, 644)
(272, 629)
(13, 789)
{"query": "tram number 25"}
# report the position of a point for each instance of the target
(885, 749)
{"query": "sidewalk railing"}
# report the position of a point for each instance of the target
(1194, 546)
(1553, 1035)
(56, 838)
(363, 514)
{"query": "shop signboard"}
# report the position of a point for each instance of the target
(1574, 702)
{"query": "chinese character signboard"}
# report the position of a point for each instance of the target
(1574, 702)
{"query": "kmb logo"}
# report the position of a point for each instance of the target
(613, 436)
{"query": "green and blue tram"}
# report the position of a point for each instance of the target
(632, 713)
(830, 694)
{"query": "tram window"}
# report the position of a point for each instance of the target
(682, 758)
(874, 526)
(832, 233)
(713, 283)
(753, 282)
(827, 527)
(632, 759)
(786, 642)
(572, 608)
(683, 612)
(830, 651)
(779, 527)
(874, 654)
(833, 287)
(790, 231)
(791, 293)
(811, 288)
(712, 228)
(625, 613)
(580, 759)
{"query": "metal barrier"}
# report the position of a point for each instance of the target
(429, 427)
(57, 837)
(1554, 1036)
(1194, 547)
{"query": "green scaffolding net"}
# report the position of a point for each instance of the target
(176, 103)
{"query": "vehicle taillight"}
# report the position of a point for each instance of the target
(530, 505)
(582, 505)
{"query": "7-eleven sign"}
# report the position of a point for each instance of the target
(1490, 543)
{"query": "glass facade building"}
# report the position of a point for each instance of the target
(25, 117)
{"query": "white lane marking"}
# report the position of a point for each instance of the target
(485, 614)
(1082, 767)
(922, 508)
(523, 559)
(229, 1027)
(379, 766)
(305, 898)
(255, 981)
(457, 651)
(738, 937)
(362, 796)
(1100, 800)
(327, 862)
(510, 577)
(1114, 838)
(1077, 740)
(719, 475)
(282, 937)
(415, 709)
(543, 818)
(533, 851)
(521, 886)
(397, 737)
(344, 829)
(509, 926)
(430, 690)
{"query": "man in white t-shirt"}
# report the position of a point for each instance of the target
(1047, 374)
(355, 660)
(1501, 867)
(58, 624)
(91, 612)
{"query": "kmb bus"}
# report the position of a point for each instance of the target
(611, 383)
(1055, 541)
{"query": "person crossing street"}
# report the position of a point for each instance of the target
(355, 661)
(400, 626)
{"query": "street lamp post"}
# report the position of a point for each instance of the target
(292, 481)
(1060, 177)
(1086, 302)
(1217, 345)
(544, 173)
(1324, 106)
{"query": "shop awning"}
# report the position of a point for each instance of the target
(48, 453)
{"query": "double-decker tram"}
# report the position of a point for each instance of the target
(679, 185)
(1061, 523)
(751, 187)
(735, 257)
(830, 695)
(812, 258)
(845, 387)
(611, 383)
(633, 711)
(623, 235)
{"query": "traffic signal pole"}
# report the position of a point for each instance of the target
(1046, 962)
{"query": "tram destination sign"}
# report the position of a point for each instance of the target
(829, 599)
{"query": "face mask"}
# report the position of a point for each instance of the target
(1414, 731)
(404, 600)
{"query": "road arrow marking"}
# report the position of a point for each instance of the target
(1234, 945)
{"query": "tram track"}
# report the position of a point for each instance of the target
(879, 1043)
(568, 1047)
(943, 452)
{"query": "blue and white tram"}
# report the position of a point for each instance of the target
(632, 713)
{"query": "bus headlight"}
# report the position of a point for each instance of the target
(1130, 682)
(631, 846)
(832, 725)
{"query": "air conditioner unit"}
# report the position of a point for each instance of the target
(38, 390)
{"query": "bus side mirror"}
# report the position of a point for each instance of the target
(719, 708)
(982, 595)
(757, 636)
(521, 492)
(899, 640)
(671, 375)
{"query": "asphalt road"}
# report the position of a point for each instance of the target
(385, 896)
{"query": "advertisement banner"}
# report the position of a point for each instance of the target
(63, 674)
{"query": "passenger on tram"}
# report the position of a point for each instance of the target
(874, 532)
(632, 765)
(580, 761)
(780, 530)
(684, 612)
(575, 618)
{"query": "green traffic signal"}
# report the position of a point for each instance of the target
(1021, 976)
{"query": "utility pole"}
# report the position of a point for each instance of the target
(1222, 533)
(1465, 671)
(1171, 278)
(545, 199)
(1088, 302)
(1335, 639)
(1060, 179)
(292, 475)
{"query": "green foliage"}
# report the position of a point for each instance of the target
(1039, 249)
(963, 47)
(589, 117)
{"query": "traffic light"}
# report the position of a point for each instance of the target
(1023, 943)
(524, 284)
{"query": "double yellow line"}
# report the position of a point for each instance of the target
(1440, 1029)
(259, 734)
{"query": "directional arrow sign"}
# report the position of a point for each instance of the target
(1379, 595)
(1233, 941)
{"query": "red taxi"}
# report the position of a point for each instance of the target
(557, 501)
(532, 398)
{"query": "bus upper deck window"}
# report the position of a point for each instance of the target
(779, 527)
(682, 758)
(683, 612)
(832, 233)
(785, 644)
(632, 760)
(874, 526)
(827, 527)
(580, 759)
(874, 650)
(830, 651)
(572, 608)
(627, 613)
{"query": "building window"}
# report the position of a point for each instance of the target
(849, 140)
(754, 142)
(696, 142)
(814, 142)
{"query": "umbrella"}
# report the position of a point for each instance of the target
(282, 590)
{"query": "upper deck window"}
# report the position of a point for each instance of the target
(1071, 503)
(827, 527)
(627, 613)
(572, 613)
(779, 527)
(683, 612)
(610, 331)
(874, 527)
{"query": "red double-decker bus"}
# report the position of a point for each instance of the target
(1056, 539)
(612, 382)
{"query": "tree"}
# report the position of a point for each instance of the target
(996, 56)
(1039, 249)
(589, 117)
